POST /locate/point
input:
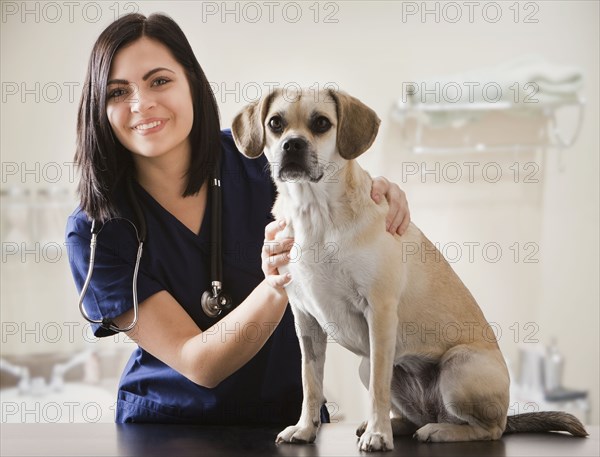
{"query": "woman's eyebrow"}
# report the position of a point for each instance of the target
(145, 77)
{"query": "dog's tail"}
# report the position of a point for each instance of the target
(545, 421)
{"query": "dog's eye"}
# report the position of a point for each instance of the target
(276, 124)
(321, 124)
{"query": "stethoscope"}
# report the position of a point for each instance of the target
(214, 301)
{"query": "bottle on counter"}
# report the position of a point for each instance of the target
(553, 368)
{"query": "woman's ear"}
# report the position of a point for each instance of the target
(357, 125)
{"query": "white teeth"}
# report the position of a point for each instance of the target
(148, 126)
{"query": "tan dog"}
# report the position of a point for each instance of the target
(393, 300)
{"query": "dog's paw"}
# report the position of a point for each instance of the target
(433, 433)
(375, 441)
(361, 428)
(297, 434)
(425, 433)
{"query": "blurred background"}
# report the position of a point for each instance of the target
(489, 123)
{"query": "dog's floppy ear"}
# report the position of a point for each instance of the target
(357, 125)
(248, 127)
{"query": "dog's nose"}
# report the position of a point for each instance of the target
(294, 145)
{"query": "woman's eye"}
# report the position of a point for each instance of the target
(117, 93)
(275, 124)
(322, 124)
(160, 81)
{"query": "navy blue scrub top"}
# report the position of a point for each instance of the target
(268, 389)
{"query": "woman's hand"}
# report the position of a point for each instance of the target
(276, 253)
(398, 216)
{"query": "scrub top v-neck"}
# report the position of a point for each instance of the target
(268, 388)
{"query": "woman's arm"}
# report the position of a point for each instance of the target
(167, 332)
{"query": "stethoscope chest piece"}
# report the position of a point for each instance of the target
(214, 302)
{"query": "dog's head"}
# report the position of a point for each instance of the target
(303, 133)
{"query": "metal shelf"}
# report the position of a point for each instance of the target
(420, 112)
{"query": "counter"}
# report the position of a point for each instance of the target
(107, 439)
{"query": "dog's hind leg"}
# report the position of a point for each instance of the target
(313, 342)
(401, 425)
(474, 388)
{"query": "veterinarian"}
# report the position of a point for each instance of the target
(148, 142)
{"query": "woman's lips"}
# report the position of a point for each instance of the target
(148, 126)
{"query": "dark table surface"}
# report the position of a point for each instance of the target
(186, 440)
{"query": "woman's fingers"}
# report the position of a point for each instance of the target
(276, 261)
(271, 248)
(405, 221)
(272, 228)
(275, 254)
(398, 216)
(278, 281)
(401, 219)
(379, 188)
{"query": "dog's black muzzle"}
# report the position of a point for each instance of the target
(297, 161)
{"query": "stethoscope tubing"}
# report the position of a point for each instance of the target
(107, 323)
(216, 259)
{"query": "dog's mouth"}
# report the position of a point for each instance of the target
(296, 167)
(299, 161)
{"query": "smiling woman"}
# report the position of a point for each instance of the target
(151, 113)
(148, 131)
(153, 71)
(135, 91)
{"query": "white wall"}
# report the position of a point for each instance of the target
(370, 51)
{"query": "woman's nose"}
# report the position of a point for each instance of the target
(141, 99)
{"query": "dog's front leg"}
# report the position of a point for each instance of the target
(382, 319)
(313, 342)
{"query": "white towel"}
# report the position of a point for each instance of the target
(528, 83)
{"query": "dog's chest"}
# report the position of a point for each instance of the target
(325, 286)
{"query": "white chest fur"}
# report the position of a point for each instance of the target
(331, 272)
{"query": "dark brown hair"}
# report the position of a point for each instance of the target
(102, 160)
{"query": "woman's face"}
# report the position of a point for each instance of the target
(149, 101)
